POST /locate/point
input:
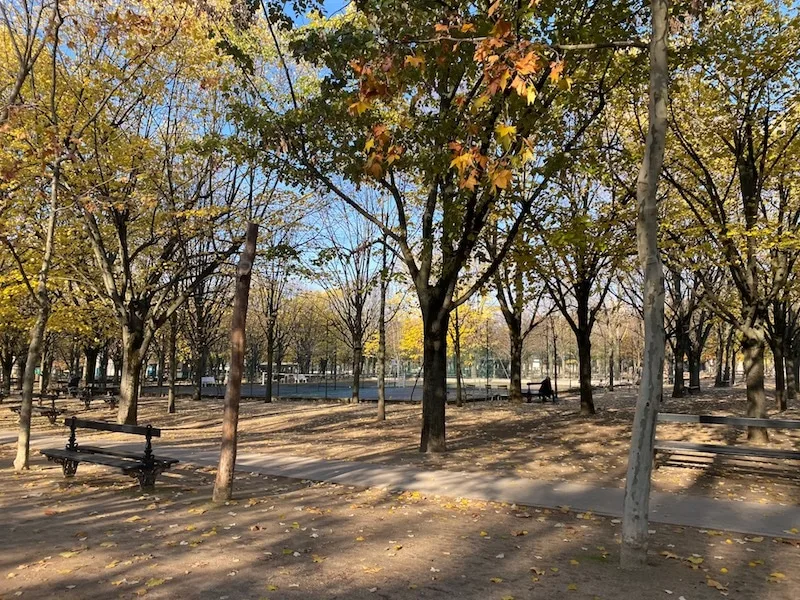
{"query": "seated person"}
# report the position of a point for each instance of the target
(73, 383)
(546, 389)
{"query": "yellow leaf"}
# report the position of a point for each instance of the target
(574, 562)
(723, 570)
(369, 145)
(777, 575)
(572, 587)
(69, 554)
(153, 582)
(133, 519)
(317, 558)
(272, 588)
(484, 534)
(461, 162)
(415, 61)
(496, 580)
(360, 538)
(668, 554)
(501, 179)
(112, 564)
(358, 108)
(556, 69)
(695, 560)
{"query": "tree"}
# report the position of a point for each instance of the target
(519, 296)
(223, 485)
(442, 108)
(633, 552)
(584, 244)
(350, 271)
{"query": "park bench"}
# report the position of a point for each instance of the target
(51, 412)
(144, 466)
(756, 451)
(530, 394)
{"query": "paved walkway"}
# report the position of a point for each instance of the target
(693, 511)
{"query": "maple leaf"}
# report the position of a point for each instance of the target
(501, 178)
(441, 28)
(358, 108)
(556, 69)
(461, 162)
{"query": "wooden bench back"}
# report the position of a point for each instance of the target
(735, 421)
(106, 426)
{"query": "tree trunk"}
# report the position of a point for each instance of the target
(382, 337)
(199, 373)
(8, 368)
(21, 363)
(434, 386)
(133, 352)
(778, 344)
(791, 380)
(457, 356)
(585, 371)
(753, 342)
(45, 365)
(515, 380)
(633, 552)
(38, 329)
(223, 486)
(720, 358)
(90, 367)
(611, 369)
(678, 389)
(270, 358)
(172, 350)
(780, 376)
(162, 358)
(104, 364)
(358, 351)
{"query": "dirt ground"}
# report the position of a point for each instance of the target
(97, 536)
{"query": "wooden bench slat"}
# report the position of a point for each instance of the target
(100, 459)
(106, 426)
(735, 421)
(122, 453)
(719, 449)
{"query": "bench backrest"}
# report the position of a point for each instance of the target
(736, 421)
(106, 426)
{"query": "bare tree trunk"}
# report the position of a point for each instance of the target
(8, 367)
(21, 363)
(633, 552)
(172, 350)
(515, 389)
(223, 486)
(162, 359)
(611, 369)
(753, 342)
(358, 351)
(720, 358)
(457, 355)
(133, 353)
(38, 330)
(585, 372)
(434, 385)
(46, 364)
(90, 353)
(382, 337)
